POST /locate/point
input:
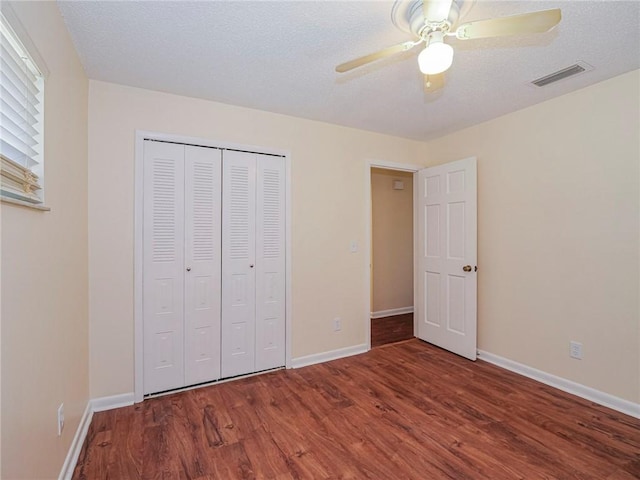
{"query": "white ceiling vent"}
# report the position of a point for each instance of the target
(562, 74)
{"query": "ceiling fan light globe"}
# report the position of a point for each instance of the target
(436, 58)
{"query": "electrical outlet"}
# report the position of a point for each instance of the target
(60, 418)
(337, 324)
(575, 350)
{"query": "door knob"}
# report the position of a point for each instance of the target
(188, 269)
(467, 268)
(251, 266)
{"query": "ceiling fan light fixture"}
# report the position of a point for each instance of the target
(436, 57)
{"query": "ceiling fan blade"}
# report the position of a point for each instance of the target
(387, 52)
(534, 22)
(433, 82)
(436, 11)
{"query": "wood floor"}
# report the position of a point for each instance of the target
(391, 329)
(403, 411)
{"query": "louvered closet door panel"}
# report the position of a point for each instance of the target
(270, 263)
(163, 245)
(238, 263)
(202, 263)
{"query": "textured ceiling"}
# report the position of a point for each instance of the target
(280, 56)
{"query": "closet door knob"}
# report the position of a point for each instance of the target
(251, 266)
(188, 269)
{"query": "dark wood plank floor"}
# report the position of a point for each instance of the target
(408, 410)
(391, 329)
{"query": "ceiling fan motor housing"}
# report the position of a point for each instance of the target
(407, 15)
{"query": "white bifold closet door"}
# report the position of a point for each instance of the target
(253, 263)
(181, 265)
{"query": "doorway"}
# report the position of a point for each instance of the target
(391, 254)
(445, 226)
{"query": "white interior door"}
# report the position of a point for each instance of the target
(447, 239)
(270, 263)
(238, 263)
(202, 263)
(163, 263)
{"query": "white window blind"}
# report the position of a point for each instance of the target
(21, 99)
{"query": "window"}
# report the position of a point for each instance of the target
(21, 119)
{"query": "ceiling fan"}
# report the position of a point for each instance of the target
(432, 23)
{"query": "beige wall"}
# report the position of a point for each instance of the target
(328, 208)
(558, 225)
(392, 240)
(558, 244)
(45, 269)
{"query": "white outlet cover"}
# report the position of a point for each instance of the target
(60, 419)
(337, 324)
(575, 350)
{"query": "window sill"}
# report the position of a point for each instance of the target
(33, 206)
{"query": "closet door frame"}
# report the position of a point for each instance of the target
(140, 137)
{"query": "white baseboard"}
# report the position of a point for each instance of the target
(601, 398)
(95, 405)
(75, 448)
(328, 356)
(114, 401)
(391, 312)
